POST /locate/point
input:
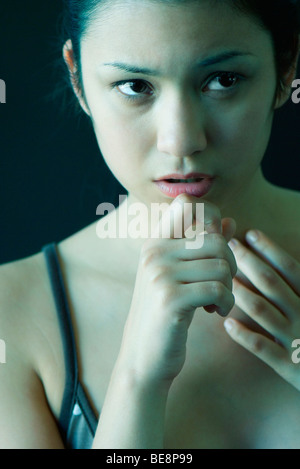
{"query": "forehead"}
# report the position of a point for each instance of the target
(156, 30)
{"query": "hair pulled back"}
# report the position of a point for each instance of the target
(279, 17)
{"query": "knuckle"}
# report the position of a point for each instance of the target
(150, 253)
(218, 289)
(256, 344)
(269, 278)
(159, 273)
(223, 267)
(258, 307)
(289, 264)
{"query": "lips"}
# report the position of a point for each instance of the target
(186, 176)
(197, 184)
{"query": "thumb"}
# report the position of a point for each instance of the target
(228, 228)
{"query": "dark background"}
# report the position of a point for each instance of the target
(52, 176)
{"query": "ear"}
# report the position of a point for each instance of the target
(68, 55)
(284, 94)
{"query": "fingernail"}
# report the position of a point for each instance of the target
(252, 236)
(229, 324)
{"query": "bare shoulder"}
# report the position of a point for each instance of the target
(28, 319)
(19, 281)
(28, 332)
(25, 302)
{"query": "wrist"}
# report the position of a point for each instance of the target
(138, 406)
(141, 384)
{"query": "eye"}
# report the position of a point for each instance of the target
(134, 89)
(223, 81)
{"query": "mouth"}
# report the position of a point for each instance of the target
(191, 177)
(197, 185)
(185, 181)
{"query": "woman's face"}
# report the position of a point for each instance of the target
(180, 89)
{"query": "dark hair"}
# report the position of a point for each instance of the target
(280, 17)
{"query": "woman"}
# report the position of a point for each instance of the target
(118, 349)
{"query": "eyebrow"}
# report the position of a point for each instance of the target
(215, 59)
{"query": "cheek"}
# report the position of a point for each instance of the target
(242, 135)
(119, 131)
(121, 143)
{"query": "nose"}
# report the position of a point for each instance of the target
(181, 128)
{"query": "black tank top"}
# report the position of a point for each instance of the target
(77, 421)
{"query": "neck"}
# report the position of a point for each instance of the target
(252, 207)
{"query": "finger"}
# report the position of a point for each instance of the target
(178, 217)
(266, 280)
(285, 264)
(197, 295)
(260, 310)
(228, 228)
(204, 270)
(214, 247)
(262, 347)
(206, 214)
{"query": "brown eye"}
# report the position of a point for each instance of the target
(227, 80)
(134, 89)
(222, 81)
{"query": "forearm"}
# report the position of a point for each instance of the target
(132, 416)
